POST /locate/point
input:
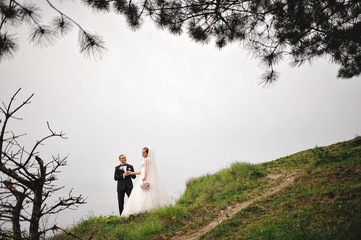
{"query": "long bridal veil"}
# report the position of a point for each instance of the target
(152, 169)
(146, 200)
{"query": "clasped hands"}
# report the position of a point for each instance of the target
(128, 173)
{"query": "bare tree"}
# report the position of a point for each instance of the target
(28, 180)
(12, 202)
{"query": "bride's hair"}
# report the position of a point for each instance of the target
(146, 149)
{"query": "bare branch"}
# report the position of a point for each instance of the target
(65, 203)
(56, 228)
(30, 181)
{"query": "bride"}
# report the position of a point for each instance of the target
(145, 200)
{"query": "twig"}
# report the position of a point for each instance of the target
(55, 228)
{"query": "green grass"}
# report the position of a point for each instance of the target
(225, 185)
(323, 203)
(141, 226)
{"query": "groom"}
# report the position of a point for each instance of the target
(125, 184)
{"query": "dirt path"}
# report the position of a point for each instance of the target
(232, 210)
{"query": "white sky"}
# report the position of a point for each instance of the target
(200, 108)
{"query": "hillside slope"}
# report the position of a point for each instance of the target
(323, 201)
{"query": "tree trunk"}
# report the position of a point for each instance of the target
(16, 216)
(36, 214)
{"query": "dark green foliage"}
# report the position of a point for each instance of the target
(62, 25)
(120, 6)
(255, 174)
(198, 33)
(271, 29)
(100, 5)
(322, 156)
(7, 45)
(15, 13)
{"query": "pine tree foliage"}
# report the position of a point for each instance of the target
(272, 30)
(300, 30)
(14, 13)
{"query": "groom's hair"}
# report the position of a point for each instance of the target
(121, 155)
(146, 149)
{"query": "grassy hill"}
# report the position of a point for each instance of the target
(323, 201)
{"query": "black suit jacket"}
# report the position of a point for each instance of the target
(123, 182)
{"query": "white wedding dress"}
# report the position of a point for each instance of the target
(145, 200)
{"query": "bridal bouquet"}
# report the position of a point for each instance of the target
(145, 185)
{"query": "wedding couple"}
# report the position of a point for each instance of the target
(140, 199)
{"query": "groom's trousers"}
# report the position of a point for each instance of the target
(121, 195)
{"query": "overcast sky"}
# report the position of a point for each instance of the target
(200, 108)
